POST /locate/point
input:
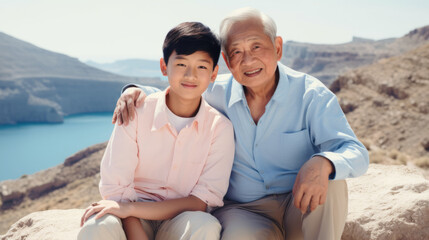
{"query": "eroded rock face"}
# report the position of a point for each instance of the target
(389, 202)
(327, 61)
(37, 85)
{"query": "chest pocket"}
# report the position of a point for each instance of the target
(297, 148)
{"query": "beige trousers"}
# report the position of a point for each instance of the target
(275, 217)
(187, 225)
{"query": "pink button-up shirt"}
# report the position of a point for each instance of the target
(148, 159)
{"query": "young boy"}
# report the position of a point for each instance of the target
(161, 172)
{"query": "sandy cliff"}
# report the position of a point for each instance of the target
(387, 103)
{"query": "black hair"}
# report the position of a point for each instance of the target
(189, 37)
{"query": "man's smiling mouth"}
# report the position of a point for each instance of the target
(252, 73)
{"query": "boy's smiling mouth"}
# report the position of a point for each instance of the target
(189, 85)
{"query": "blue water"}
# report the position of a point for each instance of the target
(29, 148)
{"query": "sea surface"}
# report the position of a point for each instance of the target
(31, 147)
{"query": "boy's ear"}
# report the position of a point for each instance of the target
(214, 73)
(225, 59)
(163, 67)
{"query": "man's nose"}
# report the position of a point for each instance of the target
(247, 57)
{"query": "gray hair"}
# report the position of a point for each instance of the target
(243, 14)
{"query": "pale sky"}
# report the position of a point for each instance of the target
(108, 30)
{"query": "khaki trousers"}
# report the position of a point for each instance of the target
(187, 225)
(275, 217)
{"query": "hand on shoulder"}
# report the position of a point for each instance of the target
(131, 98)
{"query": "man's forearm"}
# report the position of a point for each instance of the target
(146, 89)
(166, 209)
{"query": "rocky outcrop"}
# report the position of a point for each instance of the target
(37, 85)
(51, 224)
(387, 203)
(77, 166)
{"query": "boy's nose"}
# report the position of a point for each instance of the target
(191, 73)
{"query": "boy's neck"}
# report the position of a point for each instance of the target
(182, 107)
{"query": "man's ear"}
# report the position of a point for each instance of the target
(214, 73)
(225, 58)
(163, 66)
(279, 47)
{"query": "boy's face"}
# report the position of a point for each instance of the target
(189, 75)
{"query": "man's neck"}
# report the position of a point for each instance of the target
(182, 107)
(264, 92)
(258, 98)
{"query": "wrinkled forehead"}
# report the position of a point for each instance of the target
(245, 30)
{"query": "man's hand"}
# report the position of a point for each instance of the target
(130, 99)
(311, 184)
(121, 210)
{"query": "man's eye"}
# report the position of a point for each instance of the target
(233, 53)
(181, 65)
(256, 47)
(202, 67)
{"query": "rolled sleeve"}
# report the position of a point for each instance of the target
(335, 139)
(119, 163)
(214, 180)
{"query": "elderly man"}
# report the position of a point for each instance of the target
(294, 147)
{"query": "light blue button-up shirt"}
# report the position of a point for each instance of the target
(302, 119)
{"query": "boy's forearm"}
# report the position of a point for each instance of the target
(133, 229)
(166, 209)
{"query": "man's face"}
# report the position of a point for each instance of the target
(250, 54)
(189, 75)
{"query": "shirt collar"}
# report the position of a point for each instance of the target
(160, 118)
(237, 93)
(280, 94)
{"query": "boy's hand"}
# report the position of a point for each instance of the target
(103, 207)
(130, 99)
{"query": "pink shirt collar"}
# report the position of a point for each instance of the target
(160, 115)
